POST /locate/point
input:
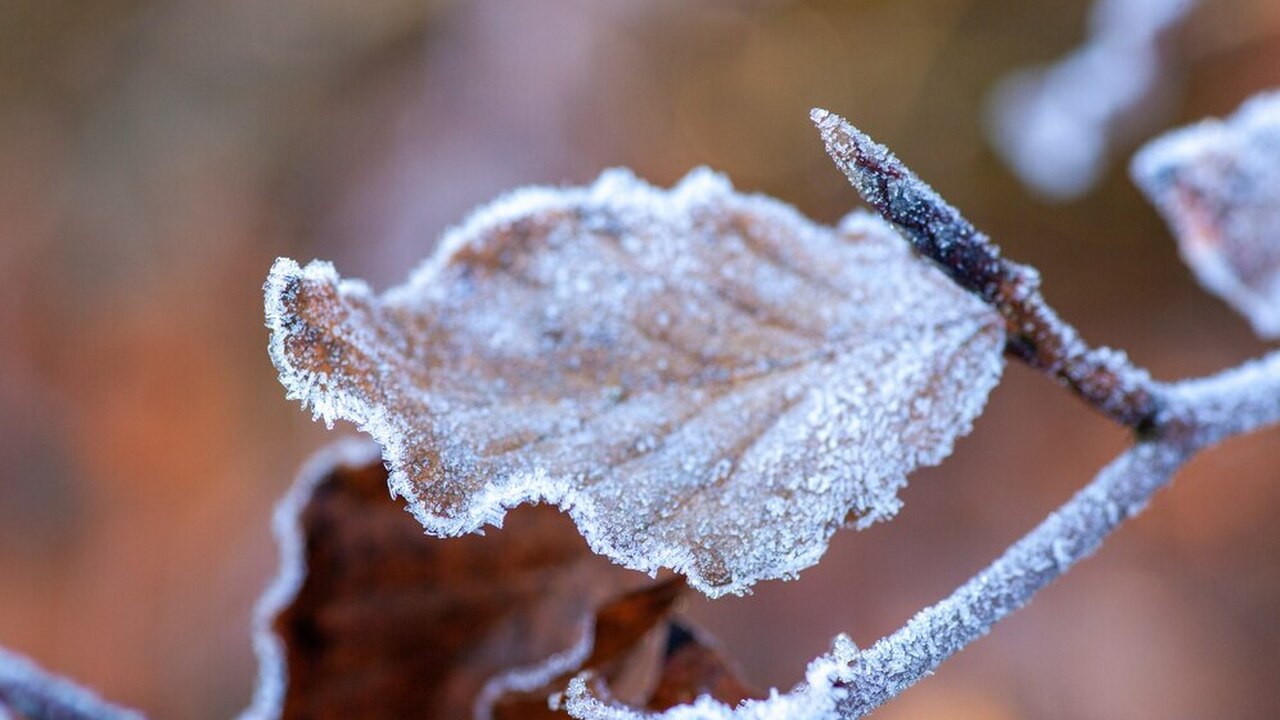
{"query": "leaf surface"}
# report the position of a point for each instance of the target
(705, 381)
(1217, 184)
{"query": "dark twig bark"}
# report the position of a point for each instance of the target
(1103, 377)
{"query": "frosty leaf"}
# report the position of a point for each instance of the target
(28, 692)
(1218, 186)
(705, 381)
(370, 618)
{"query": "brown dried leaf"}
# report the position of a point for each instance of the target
(612, 648)
(706, 381)
(371, 618)
(693, 668)
(1218, 186)
(688, 667)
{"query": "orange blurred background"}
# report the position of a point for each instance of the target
(156, 156)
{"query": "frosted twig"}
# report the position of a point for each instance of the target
(33, 692)
(1105, 378)
(1199, 413)
(1067, 536)
(1234, 402)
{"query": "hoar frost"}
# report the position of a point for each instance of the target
(705, 381)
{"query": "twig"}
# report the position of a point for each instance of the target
(1174, 422)
(1230, 403)
(1200, 413)
(1067, 536)
(1103, 377)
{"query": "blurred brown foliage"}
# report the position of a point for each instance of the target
(385, 622)
(156, 156)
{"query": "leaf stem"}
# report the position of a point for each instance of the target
(1103, 377)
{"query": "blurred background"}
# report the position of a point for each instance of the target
(157, 155)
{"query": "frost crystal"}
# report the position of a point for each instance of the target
(1218, 186)
(705, 381)
(1056, 126)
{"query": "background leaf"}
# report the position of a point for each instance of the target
(1217, 183)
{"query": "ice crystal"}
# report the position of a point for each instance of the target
(1218, 186)
(705, 381)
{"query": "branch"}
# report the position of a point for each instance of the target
(1238, 401)
(1103, 377)
(1067, 536)
(1175, 421)
(1200, 413)
(34, 693)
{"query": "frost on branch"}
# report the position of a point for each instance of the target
(1218, 186)
(705, 381)
(1057, 126)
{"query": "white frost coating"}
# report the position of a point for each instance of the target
(273, 674)
(705, 381)
(1240, 400)
(1070, 534)
(1217, 184)
(1057, 126)
(818, 697)
(30, 691)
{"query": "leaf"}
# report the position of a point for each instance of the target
(693, 668)
(611, 650)
(688, 669)
(1217, 184)
(705, 381)
(371, 618)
